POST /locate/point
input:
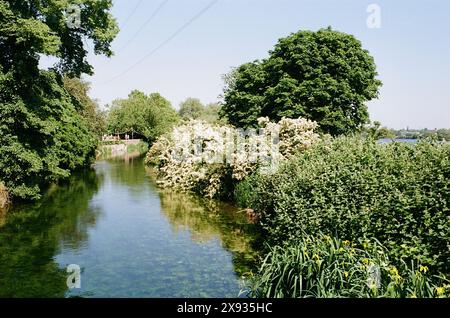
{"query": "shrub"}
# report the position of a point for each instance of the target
(244, 193)
(210, 158)
(141, 147)
(321, 266)
(351, 188)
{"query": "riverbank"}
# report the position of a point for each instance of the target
(120, 149)
(351, 197)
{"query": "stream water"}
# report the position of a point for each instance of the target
(127, 237)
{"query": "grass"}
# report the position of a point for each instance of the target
(324, 267)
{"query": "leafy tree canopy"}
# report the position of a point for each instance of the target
(42, 136)
(211, 113)
(192, 108)
(325, 76)
(42, 139)
(86, 106)
(32, 27)
(147, 115)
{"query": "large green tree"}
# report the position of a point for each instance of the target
(191, 108)
(42, 137)
(325, 76)
(146, 115)
(85, 105)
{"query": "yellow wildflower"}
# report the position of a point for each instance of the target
(365, 261)
(393, 271)
(440, 291)
(346, 274)
(347, 243)
(423, 269)
(395, 275)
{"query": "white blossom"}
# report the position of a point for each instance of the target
(197, 156)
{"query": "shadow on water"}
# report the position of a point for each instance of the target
(31, 235)
(130, 239)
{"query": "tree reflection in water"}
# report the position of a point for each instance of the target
(208, 220)
(31, 234)
(130, 238)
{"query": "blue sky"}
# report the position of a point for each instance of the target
(411, 49)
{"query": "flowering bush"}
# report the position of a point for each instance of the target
(209, 158)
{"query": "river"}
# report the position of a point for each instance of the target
(127, 237)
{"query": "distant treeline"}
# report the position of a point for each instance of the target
(439, 134)
(378, 132)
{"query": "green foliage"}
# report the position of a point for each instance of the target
(141, 147)
(323, 267)
(375, 131)
(244, 193)
(192, 108)
(436, 134)
(86, 107)
(147, 115)
(325, 76)
(350, 188)
(211, 113)
(43, 137)
(36, 27)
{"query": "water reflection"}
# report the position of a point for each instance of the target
(32, 234)
(130, 239)
(209, 220)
